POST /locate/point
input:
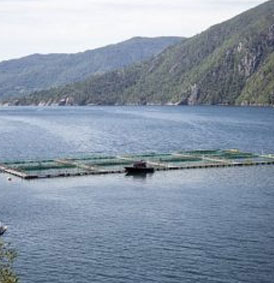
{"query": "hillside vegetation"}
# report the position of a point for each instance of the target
(230, 63)
(37, 72)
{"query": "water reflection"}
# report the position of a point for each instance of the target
(139, 176)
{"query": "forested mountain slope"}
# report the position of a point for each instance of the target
(230, 63)
(37, 72)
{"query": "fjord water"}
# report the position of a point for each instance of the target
(206, 225)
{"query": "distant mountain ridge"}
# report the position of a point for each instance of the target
(36, 72)
(229, 64)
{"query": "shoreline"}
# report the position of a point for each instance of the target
(138, 105)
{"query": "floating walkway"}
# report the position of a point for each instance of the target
(94, 164)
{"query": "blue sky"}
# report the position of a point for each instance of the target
(55, 26)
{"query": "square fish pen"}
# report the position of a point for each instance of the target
(101, 164)
(41, 169)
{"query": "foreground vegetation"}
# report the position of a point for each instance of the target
(7, 256)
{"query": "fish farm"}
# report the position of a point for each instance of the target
(95, 164)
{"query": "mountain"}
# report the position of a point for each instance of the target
(36, 72)
(230, 63)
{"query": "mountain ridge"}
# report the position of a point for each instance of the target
(230, 63)
(42, 71)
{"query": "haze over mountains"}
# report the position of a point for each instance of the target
(36, 72)
(231, 63)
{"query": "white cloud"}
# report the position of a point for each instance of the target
(45, 26)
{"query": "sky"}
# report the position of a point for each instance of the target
(69, 26)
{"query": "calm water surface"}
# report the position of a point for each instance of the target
(212, 225)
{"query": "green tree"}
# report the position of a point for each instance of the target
(7, 257)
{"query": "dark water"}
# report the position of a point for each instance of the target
(212, 225)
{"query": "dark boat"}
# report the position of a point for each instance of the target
(139, 167)
(3, 229)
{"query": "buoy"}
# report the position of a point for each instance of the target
(9, 179)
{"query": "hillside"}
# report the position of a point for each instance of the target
(230, 63)
(37, 72)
